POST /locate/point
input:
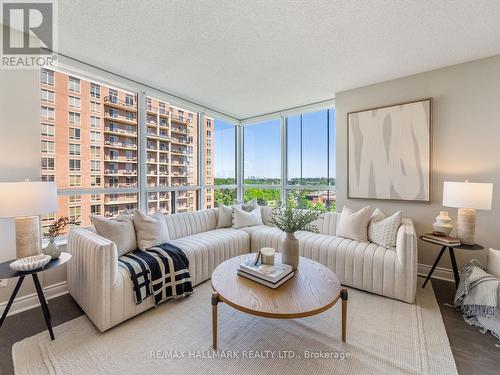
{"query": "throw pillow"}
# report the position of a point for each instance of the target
(354, 225)
(383, 230)
(494, 263)
(150, 230)
(248, 206)
(246, 219)
(225, 218)
(120, 230)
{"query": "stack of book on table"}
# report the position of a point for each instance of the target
(441, 240)
(270, 276)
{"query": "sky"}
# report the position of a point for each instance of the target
(262, 148)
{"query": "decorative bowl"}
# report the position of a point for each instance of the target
(30, 263)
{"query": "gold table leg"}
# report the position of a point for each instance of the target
(343, 296)
(215, 301)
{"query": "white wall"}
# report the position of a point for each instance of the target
(465, 142)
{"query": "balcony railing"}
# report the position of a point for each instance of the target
(116, 101)
(115, 129)
(180, 118)
(117, 116)
(120, 144)
(120, 185)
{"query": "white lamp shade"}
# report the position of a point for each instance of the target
(27, 198)
(467, 195)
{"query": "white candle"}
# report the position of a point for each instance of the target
(267, 255)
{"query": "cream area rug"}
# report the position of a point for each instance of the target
(384, 336)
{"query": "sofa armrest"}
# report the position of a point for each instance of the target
(407, 254)
(92, 273)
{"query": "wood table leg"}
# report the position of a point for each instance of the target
(343, 296)
(215, 301)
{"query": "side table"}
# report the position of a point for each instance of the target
(7, 273)
(452, 257)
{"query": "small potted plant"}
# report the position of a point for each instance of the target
(55, 230)
(290, 220)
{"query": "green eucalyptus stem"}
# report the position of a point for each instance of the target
(290, 219)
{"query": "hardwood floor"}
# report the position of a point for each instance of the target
(474, 352)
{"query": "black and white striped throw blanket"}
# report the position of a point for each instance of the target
(161, 271)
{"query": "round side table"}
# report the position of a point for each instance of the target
(452, 257)
(7, 273)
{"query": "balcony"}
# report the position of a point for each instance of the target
(178, 130)
(120, 172)
(117, 117)
(120, 185)
(120, 200)
(121, 159)
(180, 119)
(121, 145)
(119, 131)
(113, 101)
(180, 141)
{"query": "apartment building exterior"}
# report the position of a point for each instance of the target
(89, 140)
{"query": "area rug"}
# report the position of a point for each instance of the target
(384, 336)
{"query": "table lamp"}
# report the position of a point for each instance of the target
(467, 197)
(26, 201)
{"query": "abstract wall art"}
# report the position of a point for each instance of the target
(389, 152)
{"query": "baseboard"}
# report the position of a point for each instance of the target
(31, 300)
(439, 273)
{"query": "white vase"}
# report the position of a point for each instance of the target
(443, 223)
(290, 250)
(52, 249)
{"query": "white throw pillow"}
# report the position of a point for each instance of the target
(383, 230)
(225, 218)
(246, 219)
(354, 225)
(120, 230)
(493, 267)
(150, 230)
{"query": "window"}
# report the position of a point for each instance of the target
(48, 113)
(74, 118)
(74, 133)
(47, 77)
(48, 96)
(262, 153)
(265, 197)
(220, 153)
(95, 152)
(48, 178)
(95, 181)
(95, 107)
(74, 165)
(95, 166)
(75, 213)
(95, 136)
(48, 147)
(129, 100)
(75, 149)
(215, 197)
(74, 102)
(95, 90)
(48, 164)
(75, 199)
(73, 84)
(308, 137)
(95, 209)
(75, 181)
(95, 122)
(307, 199)
(48, 130)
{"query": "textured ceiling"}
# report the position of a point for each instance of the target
(246, 58)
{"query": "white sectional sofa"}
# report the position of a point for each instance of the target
(104, 290)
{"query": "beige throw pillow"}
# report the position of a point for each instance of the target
(248, 206)
(354, 225)
(151, 230)
(383, 230)
(120, 230)
(246, 219)
(225, 218)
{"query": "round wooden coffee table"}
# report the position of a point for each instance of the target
(313, 289)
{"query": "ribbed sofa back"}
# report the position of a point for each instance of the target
(189, 223)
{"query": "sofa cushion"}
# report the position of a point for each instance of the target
(207, 250)
(246, 219)
(120, 230)
(354, 225)
(188, 223)
(151, 230)
(383, 230)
